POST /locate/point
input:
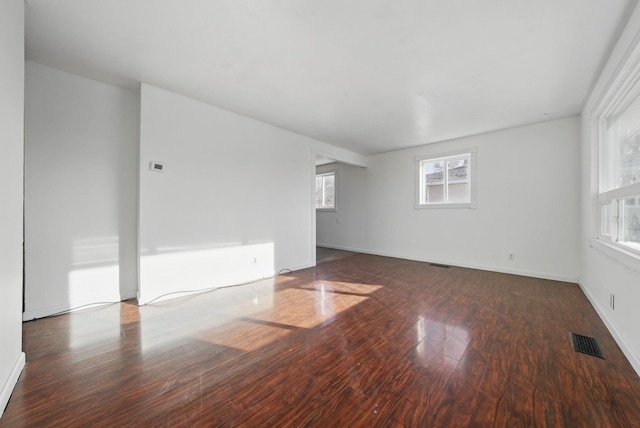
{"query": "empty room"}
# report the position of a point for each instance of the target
(412, 213)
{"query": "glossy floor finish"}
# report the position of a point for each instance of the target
(358, 341)
(324, 254)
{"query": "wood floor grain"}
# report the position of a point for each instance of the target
(359, 340)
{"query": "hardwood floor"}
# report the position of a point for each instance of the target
(357, 341)
(324, 254)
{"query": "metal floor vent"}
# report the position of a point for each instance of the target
(586, 345)
(439, 265)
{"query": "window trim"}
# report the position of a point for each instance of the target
(335, 190)
(620, 253)
(612, 96)
(473, 178)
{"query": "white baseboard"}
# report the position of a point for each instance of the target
(541, 275)
(622, 343)
(145, 300)
(7, 389)
(36, 313)
(298, 267)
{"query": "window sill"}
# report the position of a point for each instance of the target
(327, 210)
(627, 257)
(436, 206)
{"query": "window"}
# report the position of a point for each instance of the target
(619, 138)
(446, 180)
(326, 191)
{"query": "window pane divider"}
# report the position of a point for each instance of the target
(620, 193)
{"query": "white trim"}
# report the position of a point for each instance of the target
(300, 266)
(521, 272)
(333, 172)
(9, 385)
(627, 350)
(50, 310)
(473, 178)
(630, 191)
(146, 299)
(617, 252)
(178, 294)
(445, 205)
(627, 75)
(312, 206)
(625, 78)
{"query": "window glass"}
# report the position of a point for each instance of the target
(445, 181)
(329, 190)
(319, 195)
(326, 191)
(620, 168)
(630, 222)
(605, 215)
(622, 151)
(458, 183)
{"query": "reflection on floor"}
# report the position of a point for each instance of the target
(324, 254)
(358, 341)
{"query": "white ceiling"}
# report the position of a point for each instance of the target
(366, 75)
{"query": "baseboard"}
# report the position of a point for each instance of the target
(521, 272)
(7, 389)
(127, 295)
(32, 314)
(622, 343)
(296, 267)
(145, 299)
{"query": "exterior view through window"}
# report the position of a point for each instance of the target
(446, 181)
(620, 171)
(326, 191)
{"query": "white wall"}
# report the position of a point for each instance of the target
(234, 189)
(11, 156)
(601, 274)
(528, 204)
(81, 160)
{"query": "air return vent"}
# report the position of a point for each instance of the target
(586, 345)
(439, 265)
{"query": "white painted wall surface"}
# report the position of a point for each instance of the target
(601, 274)
(234, 189)
(528, 204)
(81, 161)
(12, 358)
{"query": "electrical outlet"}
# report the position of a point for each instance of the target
(612, 301)
(254, 260)
(512, 257)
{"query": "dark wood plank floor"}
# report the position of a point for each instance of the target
(324, 254)
(358, 341)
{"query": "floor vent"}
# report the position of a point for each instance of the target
(586, 345)
(439, 265)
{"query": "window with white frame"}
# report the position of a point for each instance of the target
(446, 180)
(619, 138)
(326, 191)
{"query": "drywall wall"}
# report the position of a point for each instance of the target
(233, 204)
(603, 271)
(81, 163)
(528, 204)
(12, 358)
(338, 154)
